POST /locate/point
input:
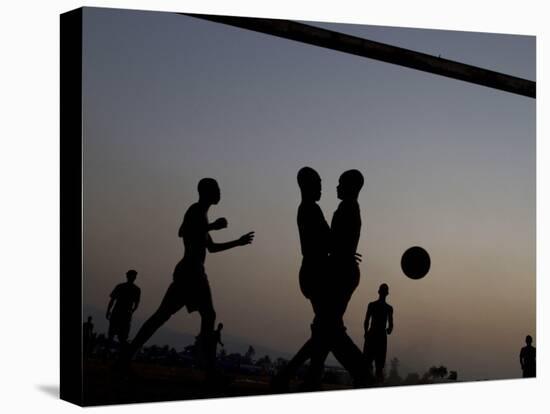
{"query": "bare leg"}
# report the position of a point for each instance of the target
(351, 358)
(170, 304)
(206, 339)
(303, 354)
(324, 328)
(308, 349)
(320, 350)
(147, 330)
(281, 381)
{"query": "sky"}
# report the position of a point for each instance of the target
(449, 166)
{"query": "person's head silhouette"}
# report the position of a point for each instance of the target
(383, 290)
(528, 340)
(209, 191)
(349, 185)
(131, 275)
(89, 319)
(220, 326)
(309, 183)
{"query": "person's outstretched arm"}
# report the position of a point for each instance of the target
(220, 247)
(390, 321)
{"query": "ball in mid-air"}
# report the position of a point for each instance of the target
(415, 262)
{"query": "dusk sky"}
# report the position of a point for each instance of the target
(448, 165)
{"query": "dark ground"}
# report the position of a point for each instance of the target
(153, 383)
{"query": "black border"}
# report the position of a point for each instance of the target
(71, 206)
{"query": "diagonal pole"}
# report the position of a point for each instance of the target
(379, 51)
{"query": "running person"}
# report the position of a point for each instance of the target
(190, 287)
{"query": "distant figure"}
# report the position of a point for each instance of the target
(190, 287)
(218, 335)
(88, 336)
(528, 359)
(378, 324)
(124, 301)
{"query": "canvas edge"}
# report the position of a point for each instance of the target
(70, 386)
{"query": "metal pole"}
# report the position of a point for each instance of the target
(379, 51)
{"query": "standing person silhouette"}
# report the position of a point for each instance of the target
(190, 286)
(528, 358)
(314, 233)
(329, 292)
(380, 314)
(124, 301)
(329, 333)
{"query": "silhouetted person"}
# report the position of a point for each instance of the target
(88, 336)
(345, 232)
(190, 287)
(378, 324)
(528, 358)
(325, 280)
(314, 233)
(329, 332)
(124, 301)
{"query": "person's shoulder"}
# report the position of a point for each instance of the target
(316, 209)
(354, 206)
(194, 216)
(116, 289)
(389, 307)
(308, 210)
(308, 206)
(349, 206)
(193, 209)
